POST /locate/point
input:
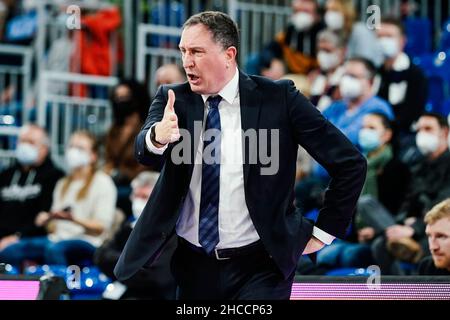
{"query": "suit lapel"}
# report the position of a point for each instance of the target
(250, 100)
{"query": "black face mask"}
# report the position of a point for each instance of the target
(122, 110)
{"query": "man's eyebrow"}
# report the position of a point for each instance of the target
(192, 48)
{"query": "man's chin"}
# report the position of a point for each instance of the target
(441, 263)
(196, 89)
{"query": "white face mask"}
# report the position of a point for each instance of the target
(302, 21)
(427, 143)
(351, 88)
(137, 206)
(334, 20)
(390, 47)
(76, 158)
(27, 154)
(29, 5)
(327, 60)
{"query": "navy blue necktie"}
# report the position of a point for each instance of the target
(208, 233)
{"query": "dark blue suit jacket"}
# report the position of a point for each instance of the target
(265, 104)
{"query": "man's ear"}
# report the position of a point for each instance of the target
(231, 53)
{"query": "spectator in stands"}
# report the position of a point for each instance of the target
(325, 81)
(130, 103)
(357, 99)
(438, 233)
(405, 238)
(347, 114)
(402, 83)
(386, 182)
(169, 73)
(340, 16)
(26, 188)
(295, 47)
(81, 214)
(156, 282)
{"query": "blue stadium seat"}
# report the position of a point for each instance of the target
(419, 34)
(167, 13)
(445, 37)
(445, 108)
(92, 282)
(8, 269)
(349, 272)
(436, 67)
(437, 88)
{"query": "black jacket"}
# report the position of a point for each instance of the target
(413, 105)
(155, 282)
(430, 184)
(264, 104)
(23, 199)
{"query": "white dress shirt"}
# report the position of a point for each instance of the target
(236, 228)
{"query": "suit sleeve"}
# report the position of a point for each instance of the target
(155, 114)
(331, 149)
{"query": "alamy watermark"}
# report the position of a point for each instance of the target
(374, 20)
(73, 21)
(262, 148)
(374, 280)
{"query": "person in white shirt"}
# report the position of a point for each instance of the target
(82, 210)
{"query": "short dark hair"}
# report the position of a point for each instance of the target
(370, 67)
(387, 124)
(396, 22)
(442, 121)
(224, 30)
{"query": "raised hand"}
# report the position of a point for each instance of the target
(167, 131)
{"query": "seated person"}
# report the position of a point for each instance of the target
(130, 103)
(156, 282)
(81, 214)
(401, 83)
(386, 182)
(341, 17)
(438, 233)
(404, 238)
(168, 74)
(26, 188)
(325, 81)
(294, 47)
(347, 115)
(357, 99)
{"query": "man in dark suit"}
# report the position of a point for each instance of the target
(239, 234)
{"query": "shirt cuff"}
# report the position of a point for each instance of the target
(151, 147)
(323, 236)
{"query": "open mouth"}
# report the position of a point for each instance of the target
(192, 77)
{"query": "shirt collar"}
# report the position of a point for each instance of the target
(229, 92)
(402, 62)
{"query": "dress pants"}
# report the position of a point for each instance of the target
(249, 277)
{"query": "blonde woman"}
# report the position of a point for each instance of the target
(341, 17)
(82, 210)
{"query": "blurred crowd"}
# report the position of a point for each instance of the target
(362, 80)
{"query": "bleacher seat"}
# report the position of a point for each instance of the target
(445, 108)
(350, 272)
(92, 282)
(419, 35)
(445, 37)
(436, 67)
(8, 269)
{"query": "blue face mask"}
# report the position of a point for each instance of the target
(369, 140)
